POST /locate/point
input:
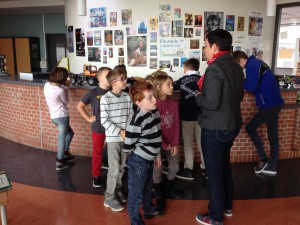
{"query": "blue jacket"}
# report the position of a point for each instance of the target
(261, 81)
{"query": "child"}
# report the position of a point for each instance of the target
(168, 109)
(261, 81)
(143, 143)
(116, 109)
(57, 97)
(189, 112)
(98, 132)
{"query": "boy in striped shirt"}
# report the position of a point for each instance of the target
(142, 143)
(116, 110)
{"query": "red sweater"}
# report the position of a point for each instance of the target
(169, 121)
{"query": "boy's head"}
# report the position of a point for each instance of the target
(101, 75)
(240, 57)
(117, 78)
(142, 94)
(191, 64)
(59, 75)
(122, 67)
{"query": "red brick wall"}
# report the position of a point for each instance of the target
(24, 118)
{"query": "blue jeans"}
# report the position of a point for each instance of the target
(268, 116)
(140, 184)
(216, 146)
(65, 135)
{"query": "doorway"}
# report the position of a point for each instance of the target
(56, 49)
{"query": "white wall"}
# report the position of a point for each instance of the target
(149, 9)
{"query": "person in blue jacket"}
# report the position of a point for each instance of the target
(261, 81)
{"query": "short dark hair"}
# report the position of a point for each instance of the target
(59, 75)
(122, 67)
(137, 89)
(192, 64)
(102, 69)
(221, 38)
(238, 55)
(114, 74)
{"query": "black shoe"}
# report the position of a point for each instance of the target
(204, 173)
(62, 164)
(97, 182)
(155, 213)
(260, 166)
(68, 157)
(185, 174)
(104, 166)
(268, 170)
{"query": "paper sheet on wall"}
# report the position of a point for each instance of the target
(255, 28)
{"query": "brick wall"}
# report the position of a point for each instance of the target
(24, 118)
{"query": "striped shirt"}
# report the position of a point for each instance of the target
(143, 135)
(115, 114)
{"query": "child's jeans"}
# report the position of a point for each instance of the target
(140, 184)
(65, 135)
(98, 143)
(172, 170)
(116, 163)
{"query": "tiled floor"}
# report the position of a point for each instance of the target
(42, 196)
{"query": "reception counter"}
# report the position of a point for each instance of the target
(24, 118)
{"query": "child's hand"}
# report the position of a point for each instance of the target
(92, 119)
(168, 148)
(157, 162)
(122, 133)
(174, 150)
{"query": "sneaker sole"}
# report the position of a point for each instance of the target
(269, 172)
(198, 220)
(115, 210)
(228, 215)
(259, 171)
(184, 178)
(66, 167)
(97, 186)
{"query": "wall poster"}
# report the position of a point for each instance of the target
(137, 51)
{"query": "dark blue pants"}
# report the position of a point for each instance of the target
(268, 116)
(216, 146)
(140, 184)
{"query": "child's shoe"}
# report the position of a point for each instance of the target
(114, 204)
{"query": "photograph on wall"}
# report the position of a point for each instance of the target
(97, 38)
(163, 63)
(172, 47)
(121, 60)
(203, 55)
(241, 23)
(198, 20)
(90, 38)
(98, 17)
(104, 50)
(238, 48)
(119, 37)
(229, 22)
(182, 60)
(257, 52)
(177, 13)
(188, 32)
(164, 13)
(153, 53)
(113, 19)
(255, 26)
(110, 52)
(197, 32)
(194, 43)
(142, 26)
(177, 28)
(94, 54)
(137, 51)
(164, 29)
(105, 59)
(153, 24)
(153, 37)
(213, 21)
(195, 54)
(130, 31)
(175, 62)
(126, 16)
(108, 37)
(70, 39)
(153, 47)
(188, 19)
(153, 63)
(80, 42)
(121, 51)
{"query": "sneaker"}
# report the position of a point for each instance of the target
(155, 213)
(203, 172)
(97, 182)
(260, 166)
(228, 212)
(104, 166)
(120, 196)
(185, 174)
(164, 170)
(207, 220)
(114, 204)
(62, 164)
(68, 157)
(269, 170)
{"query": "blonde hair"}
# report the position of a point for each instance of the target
(158, 81)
